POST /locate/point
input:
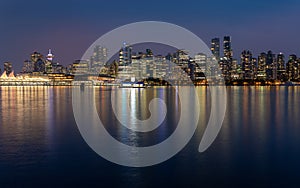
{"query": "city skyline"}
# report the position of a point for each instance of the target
(259, 26)
(158, 50)
(267, 68)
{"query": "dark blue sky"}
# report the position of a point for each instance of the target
(68, 27)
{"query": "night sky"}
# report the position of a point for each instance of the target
(69, 27)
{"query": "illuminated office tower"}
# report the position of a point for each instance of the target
(182, 57)
(225, 62)
(202, 67)
(38, 61)
(248, 65)
(28, 67)
(233, 72)
(227, 47)
(225, 67)
(261, 67)
(254, 68)
(99, 58)
(200, 61)
(80, 67)
(35, 56)
(8, 68)
(125, 56)
(160, 66)
(270, 65)
(215, 48)
(292, 68)
(280, 67)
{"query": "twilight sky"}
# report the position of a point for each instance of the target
(69, 27)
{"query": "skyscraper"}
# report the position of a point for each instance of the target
(125, 56)
(99, 57)
(292, 68)
(261, 66)
(215, 48)
(280, 67)
(38, 61)
(8, 67)
(28, 67)
(227, 47)
(225, 67)
(182, 57)
(248, 64)
(270, 65)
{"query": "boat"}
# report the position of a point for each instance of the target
(139, 84)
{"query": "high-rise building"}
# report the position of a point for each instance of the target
(125, 56)
(280, 67)
(292, 68)
(225, 63)
(80, 67)
(182, 57)
(261, 66)
(99, 58)
(233, 72)
(215, 48)
(270, 66)
(225, 67)
(8, 67)
(248, 64)
(35, 56)
(38, 61)
(200, 60)
(28, 67)
(227, 50)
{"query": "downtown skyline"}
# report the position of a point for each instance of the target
(267, 68)
(69, 28)
(159, 50)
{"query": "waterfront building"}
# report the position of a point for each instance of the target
(225, 67)
(80, 67)
(227, 50)
(38, 62)
(280, 67)
(201, 62)
(125, 55)
(248, 64)
(292, 68)
(233, 72)
(270, 66)
(182, 57)
(8, 68)
(28, 67)
(215, 48)
(261, 67)
(99, 58)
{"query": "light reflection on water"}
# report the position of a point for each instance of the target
(258, 143)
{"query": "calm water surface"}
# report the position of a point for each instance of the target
(258, 146)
